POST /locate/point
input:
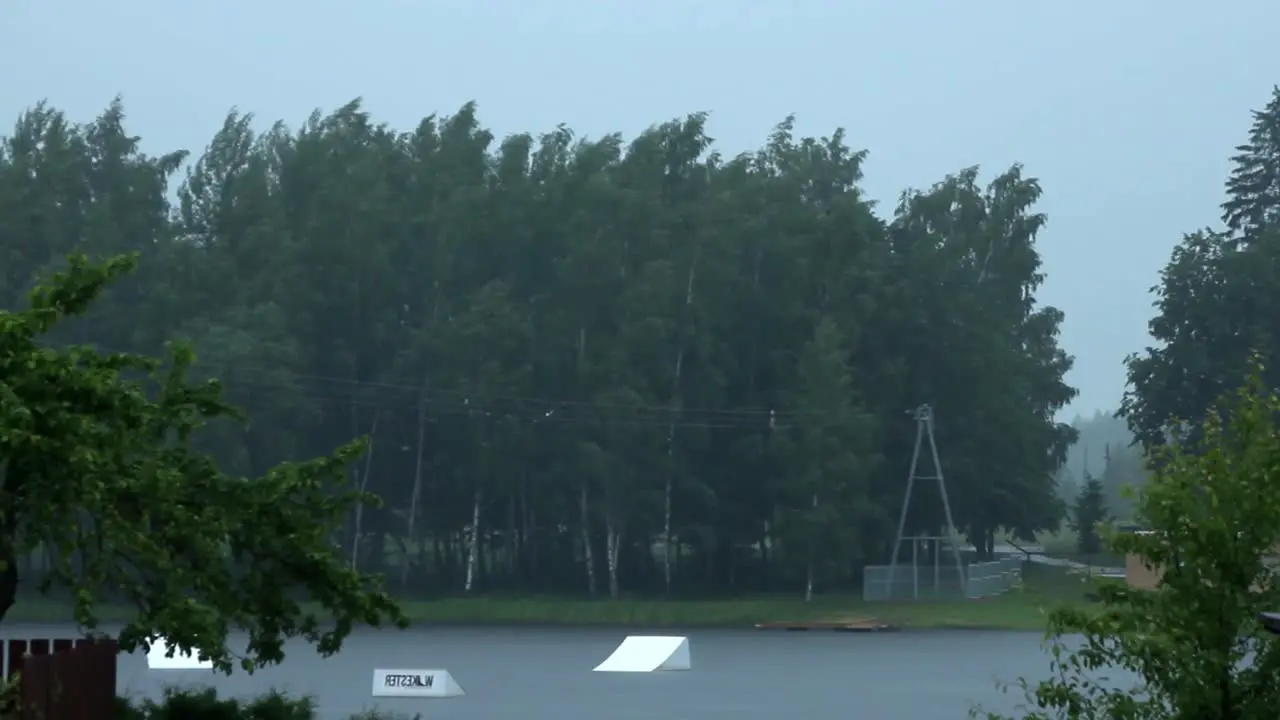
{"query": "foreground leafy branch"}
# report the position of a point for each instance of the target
(1191, 649)
(98, 467)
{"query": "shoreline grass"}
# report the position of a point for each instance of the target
(1023, 608)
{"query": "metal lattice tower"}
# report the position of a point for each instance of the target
(924, 431)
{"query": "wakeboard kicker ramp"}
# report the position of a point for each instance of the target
(158, 658)
(648, 653)
(415, 684)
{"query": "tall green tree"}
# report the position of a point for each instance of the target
(99, 471)
(1206, 323)
(824, 499)
(1088, 513)
(1253, 188)
(1215, 299)
(1001, 382)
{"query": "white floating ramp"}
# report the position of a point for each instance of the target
(158, 658)
(415, 684)
(640, 653)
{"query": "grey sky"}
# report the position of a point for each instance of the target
(1127, 110)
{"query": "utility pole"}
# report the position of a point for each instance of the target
(924, 431)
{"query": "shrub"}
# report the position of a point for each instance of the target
(204, 704)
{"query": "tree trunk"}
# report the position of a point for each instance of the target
(612, 544)
(484, 568)
(666, 500)
(530, 544)
(415, 495)
(984, 542)
(364, 484)
(588, 557)
(766, 572)
(440, 561)
(8, 552)
(8, 570)
(513, 538)
(808, 583)
(473, 541)
(671, 430)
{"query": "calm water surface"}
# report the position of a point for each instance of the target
(544, 674)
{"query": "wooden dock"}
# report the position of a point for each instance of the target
(859, 625)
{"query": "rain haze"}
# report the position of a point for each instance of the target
(1127, 112)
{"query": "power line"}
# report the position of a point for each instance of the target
(436, 415)
(424, 393)
(475, 411)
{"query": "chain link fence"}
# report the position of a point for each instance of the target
(882, 583)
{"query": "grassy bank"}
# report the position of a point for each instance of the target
(1024, 608)
(742, 612)
(1020, 609)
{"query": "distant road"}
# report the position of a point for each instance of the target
(1035, 554)
(1021, 549)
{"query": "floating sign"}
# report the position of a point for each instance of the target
(415, 683)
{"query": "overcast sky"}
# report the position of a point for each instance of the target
(1126, 110)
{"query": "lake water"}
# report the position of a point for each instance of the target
(545, 674)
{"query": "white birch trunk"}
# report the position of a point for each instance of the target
(364, 484)
(613, 541)
(415, 495)
(473, 541)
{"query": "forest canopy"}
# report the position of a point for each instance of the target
(583, 364)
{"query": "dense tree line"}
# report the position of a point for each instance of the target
(582, 364)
